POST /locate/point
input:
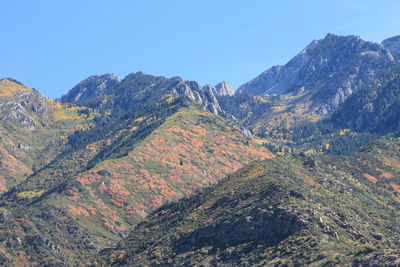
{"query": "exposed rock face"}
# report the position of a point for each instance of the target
(224, 89)
(91, 88)
(278, 79)
(211, 99)
(326, 72)
(22, 105)
(393, 44)
(108, 92)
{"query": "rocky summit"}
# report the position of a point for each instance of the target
(325, 73)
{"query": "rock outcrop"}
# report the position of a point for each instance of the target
(109, 93)
(224, 89)
(326, 72)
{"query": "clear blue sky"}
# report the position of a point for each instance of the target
(52, 45)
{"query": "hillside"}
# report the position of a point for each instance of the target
(153, 171)
(30, 130)
(314, 83)
(287, 211)
(114, 175)
(335, 96)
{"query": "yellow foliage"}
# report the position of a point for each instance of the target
(62, 115)
(327, 146)
(30, 194)
(311, 152)
(259, 141)
(9, 88)
(134, 128)
(261, 99)
(314, 118)
(140, 119)
(170, 99)
(344, 131)
(56, 104)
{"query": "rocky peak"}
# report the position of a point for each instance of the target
(392, 44)
(10, 87)
(224, 89)
(22, 106)
(326, 72)
(93, 87)
(210, 99)
(110, 93)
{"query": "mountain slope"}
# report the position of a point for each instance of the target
(315, 82)
(114, 175)
(373, 110)
(90, 91)
(292, 210)
(31, 127)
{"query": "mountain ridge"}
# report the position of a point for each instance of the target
(156, 155)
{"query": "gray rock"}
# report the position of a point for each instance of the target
(224, 89)
(90, 88)
(108, 92)
(392, 44)
(326, 72)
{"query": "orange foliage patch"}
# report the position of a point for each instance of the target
(395, 187)
(77, 211)
(392, 163)
(171, 163)
(385, 174)
(370, 178)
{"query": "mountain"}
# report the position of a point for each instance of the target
(224, 89)
(316, 81)
(335, 96)
(30, 130)
(110, 94)
(112, 174)
(294, 210)
(327, 71)
(393, 44)
(373, 109)
(90, 91)
(156, 155)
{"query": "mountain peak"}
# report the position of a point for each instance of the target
(337, 36)
(392, 44)
(92, 86)
(10, 87)
(327, 71)
(224, 89)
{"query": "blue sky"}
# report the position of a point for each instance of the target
(52, 45)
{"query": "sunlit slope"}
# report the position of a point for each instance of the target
(98, 191)
(286, 211)
(31, 130)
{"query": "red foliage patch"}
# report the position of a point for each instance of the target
(370, 178)
(395, 187)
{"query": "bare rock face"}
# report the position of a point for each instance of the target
(224, 89)
(326, 72)
(109, 93)
(22, 106)
(211, 99)
(90, 89)
(392, 44)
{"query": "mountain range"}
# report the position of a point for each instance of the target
(299, 166)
